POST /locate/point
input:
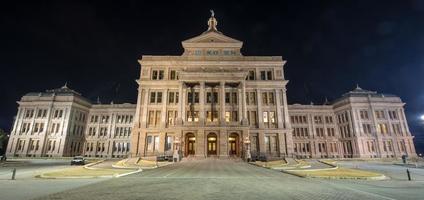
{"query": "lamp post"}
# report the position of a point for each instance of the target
(247, 144)
(176, 155)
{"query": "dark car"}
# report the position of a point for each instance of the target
(78, 160)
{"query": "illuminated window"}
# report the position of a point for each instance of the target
(210, 117)
(192, 116)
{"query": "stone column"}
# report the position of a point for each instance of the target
(138, 112)
(244, 120)
(223, 143)
(379, 143)
(279, 114)
(287, 125)
(183, 105)
(202, 103)
(163, 120)
(259, 104)
(180, 104)
(240, 107)
(200, 143)
(162, 138)
(144, 115)
(261, 138)
(222, 102)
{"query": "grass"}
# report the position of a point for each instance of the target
(337, 173)
(271, 164)
(83, 172)
(329, 161)
(141, 163)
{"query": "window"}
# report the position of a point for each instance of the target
(212, 116)
(363, 114)
(173, 97)
(366, 128)
(265, 117)
(319, 132)
(264, 98)
(168, 143)
(330, 132)
(393, 114)
(193, 97)
(397, 129)
(251, 98)
(155, 97)
(156, 146)
(268, 144)
(172, 116)
(268, 98)
(231, 97)
(41, 113)
(251, 116)
(29, 113)
(266, 75)
(251, 75)
(328, 119)
(192, 116)
(318, 119)
(173, 75)
(154, 117)
(382, 128)
(271, 99)
(231, 116)
(105, 119)
(157, 74)
(380, 114)
(149, 143)
(212, 97)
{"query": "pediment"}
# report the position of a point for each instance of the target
(212, 37)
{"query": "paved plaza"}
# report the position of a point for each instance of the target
(227, 179)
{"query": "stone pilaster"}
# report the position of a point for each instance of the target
(202, 103)
(222, 102)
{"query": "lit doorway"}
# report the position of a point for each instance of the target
(212, 143)
(190, 144)
(233, 144)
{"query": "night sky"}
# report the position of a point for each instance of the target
(330, 46)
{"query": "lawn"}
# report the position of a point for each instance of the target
(337, 173)
(271, 164)
(83, 172)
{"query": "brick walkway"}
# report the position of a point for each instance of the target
(223, 179)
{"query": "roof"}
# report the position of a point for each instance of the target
(62, 91)
(359, 92)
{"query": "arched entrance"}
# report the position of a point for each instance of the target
(190, 146)
(233, 144)
(212, 144)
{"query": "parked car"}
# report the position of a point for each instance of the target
(78, 160)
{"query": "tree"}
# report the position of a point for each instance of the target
(3, 141)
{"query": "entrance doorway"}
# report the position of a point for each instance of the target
(233, 144)
(212, 141)
(190, 144)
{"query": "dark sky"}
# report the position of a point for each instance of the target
(329, 46)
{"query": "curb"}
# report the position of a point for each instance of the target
(88, 166)
(129, 173)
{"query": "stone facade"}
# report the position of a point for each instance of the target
(212, 101)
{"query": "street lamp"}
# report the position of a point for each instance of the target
(247, 143)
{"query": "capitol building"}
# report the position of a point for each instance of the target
(211, 101)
